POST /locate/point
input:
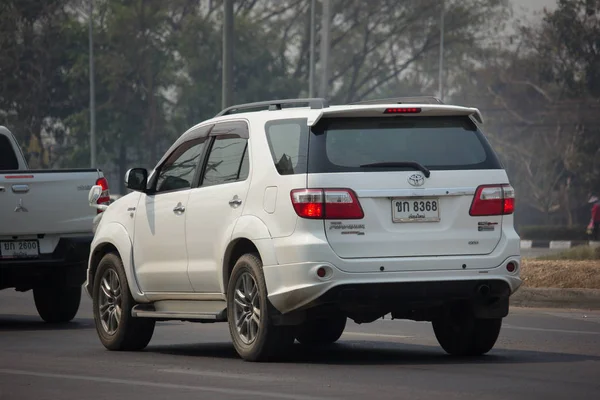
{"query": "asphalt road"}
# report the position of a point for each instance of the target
(541, 354)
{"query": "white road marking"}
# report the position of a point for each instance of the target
(381, 335)
(228, 375)
(131, 382)
(523, 328)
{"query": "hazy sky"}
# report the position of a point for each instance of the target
(532, 6)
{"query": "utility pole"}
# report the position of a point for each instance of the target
(441, 66)
(92, 90)
(227, 83)
(325, 39)
(311, 68)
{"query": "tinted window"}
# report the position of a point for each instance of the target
(8, 159)
(439, 143)
(245, 167)
(288, 142)
(180, 168)
(225, 161)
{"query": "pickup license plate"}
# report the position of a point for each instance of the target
(416, 210)
(19, 249)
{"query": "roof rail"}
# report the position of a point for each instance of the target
(401, 100)
(314, 103)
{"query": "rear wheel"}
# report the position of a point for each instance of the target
(467, 335)
(321, 330)
(58, 303)
(112, 304)
(249, 314)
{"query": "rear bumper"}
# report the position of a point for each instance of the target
(67, 264)
(296, 286)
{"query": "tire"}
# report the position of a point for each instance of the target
(116, 328)
(257, 338)
(467, 336)
(58, 303)
(321, 331)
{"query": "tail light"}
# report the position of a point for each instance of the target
(493, 200)
(105, 196)
(326, 204)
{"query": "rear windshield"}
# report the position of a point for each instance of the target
(350, 144)
(8, 159)
(439, 143)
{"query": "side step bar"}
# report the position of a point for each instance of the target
(197, 311)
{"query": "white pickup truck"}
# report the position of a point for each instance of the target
(45, 230)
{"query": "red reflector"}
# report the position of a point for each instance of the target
(326, 204)
(18, 176)
(402, 110)
(511, 267)
(493, 200)
(321, 272)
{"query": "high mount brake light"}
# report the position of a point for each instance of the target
(326, 204)
(402, 110)
(493, 200)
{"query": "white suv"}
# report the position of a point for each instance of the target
(285, 218)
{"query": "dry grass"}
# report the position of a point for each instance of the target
(564, 274)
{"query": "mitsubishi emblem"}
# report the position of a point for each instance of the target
(20, 207)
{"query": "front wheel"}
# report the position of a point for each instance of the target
(112, 304)
(467, 335)
(249, 314)
(57, 303)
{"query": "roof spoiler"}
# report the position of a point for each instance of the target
(401, 100)
(318, 103)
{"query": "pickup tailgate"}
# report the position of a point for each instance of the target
(36, 202)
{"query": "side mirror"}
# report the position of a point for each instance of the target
(94, 194)
(136, 179)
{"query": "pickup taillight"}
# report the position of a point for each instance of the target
(493, 200)
(105, 196)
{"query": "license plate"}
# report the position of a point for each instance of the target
(19, 249)
(416, 210)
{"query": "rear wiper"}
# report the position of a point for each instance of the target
(412, 164)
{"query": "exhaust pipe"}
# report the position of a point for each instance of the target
(483, 290)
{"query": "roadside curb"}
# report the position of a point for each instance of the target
(557, 244)
(556, 298)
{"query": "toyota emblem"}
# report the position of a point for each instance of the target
(416, 180)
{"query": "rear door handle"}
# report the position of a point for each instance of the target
(235, 202)
(179, 208)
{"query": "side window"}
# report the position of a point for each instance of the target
(245, 167)
(180, 168)
(8, 158)
(288, 142)
(227, 161)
